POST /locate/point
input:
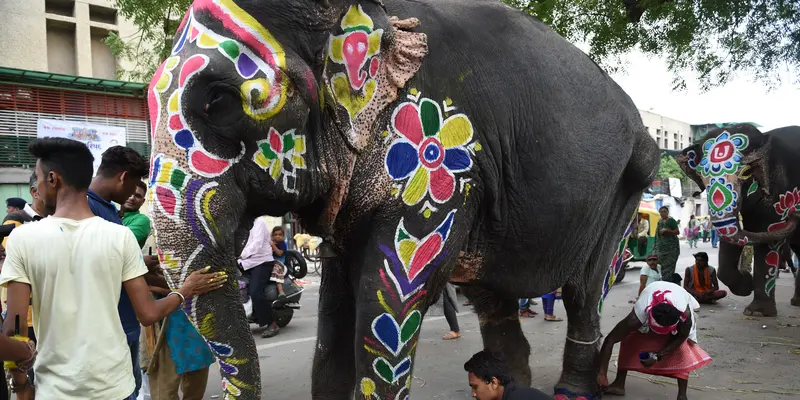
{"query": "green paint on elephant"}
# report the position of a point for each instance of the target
(177, 179)
(288, 142)
(231, 48)
(410, 326)
(384, 370)
(753, 188)
(429, 114)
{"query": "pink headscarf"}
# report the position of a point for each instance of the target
(659, 297)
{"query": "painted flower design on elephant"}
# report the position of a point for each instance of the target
(430, 150)
(355, 49)
(721, 155)
(281, 155)
(772, 260)
(616, 262)
(788, 203)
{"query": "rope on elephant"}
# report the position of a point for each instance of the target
(584, 343)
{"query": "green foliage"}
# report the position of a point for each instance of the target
(713, 38)
(157, 21)
(669, 169)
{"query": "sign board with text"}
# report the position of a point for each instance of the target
(97, 138)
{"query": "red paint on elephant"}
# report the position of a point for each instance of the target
(424, 255)
(408, 123)
(175, 122)
(154, 101)
(167, 199)
(373, 67)
(722, 152)
(443, 184)
(788, 203)
(356, 45)
(773, 258)
(718, 198)
(191, 66)
(207, 165)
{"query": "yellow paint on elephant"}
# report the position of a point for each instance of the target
(427, 213)
(171, 63)
(236, 361)
(172, 105)
(405, 250)
(336, 49)
(383, 304)
(261, 160)
(230, 387)
(298, 162)
(352, 102)
(356, 17)
(163, 82)
(256, 106)
(169, 260)
(478, 146)
(367, 387)
(239, 383)
(374, 352)
(206, 41)
(275, 169)
(206, 326)
(417, 186)
(207, 209)
(456, 131)
(166, 170)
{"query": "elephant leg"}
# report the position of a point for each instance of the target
(501, 330)
(581, 362)
(739, 283)
(765, 272)
(796, 271)
(333, 373)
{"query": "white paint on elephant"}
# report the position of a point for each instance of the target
(188, 263)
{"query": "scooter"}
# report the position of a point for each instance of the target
(282, 308)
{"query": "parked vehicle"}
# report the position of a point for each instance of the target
(283, 309)
(633, 243)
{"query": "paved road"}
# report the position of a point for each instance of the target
(750, 362)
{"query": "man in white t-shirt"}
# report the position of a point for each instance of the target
(73, 266)
(649, 273)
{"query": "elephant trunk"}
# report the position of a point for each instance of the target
(740, 283)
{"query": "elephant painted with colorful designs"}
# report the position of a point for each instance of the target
(402, 133)
(755, 176)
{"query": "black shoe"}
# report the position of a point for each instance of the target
(252, 319)
(270, 332)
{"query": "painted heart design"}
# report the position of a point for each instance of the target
(389, 373)
(392, 335)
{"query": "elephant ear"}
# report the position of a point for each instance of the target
(397, 66)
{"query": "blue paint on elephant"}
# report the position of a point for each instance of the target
(401, 160)
(184, 139)
(444, 228)
(386, 330)
(457, 160)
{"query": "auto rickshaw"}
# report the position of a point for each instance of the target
(645, 210)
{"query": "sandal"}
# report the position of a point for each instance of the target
(528, 313)
(553, 319)
(451, 335)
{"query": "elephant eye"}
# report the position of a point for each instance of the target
(220, 103)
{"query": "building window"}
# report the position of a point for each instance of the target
(666, 143)
(104, 64)
(61, 47)
(675, 145)
(60, 7)
(103, 15)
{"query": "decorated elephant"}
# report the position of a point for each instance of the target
(403, 134)
(752, 175)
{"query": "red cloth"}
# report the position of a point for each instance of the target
(677, 364)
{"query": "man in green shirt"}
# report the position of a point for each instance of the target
(137, 222)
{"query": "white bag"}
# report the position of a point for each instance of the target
(248, 308)
(144, 392)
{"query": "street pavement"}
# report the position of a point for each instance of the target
(754, 358)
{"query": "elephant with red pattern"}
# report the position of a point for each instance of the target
(753, 191)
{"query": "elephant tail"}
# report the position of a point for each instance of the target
(644, 162)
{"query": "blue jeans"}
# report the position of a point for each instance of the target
(137, 370)
(524, 304)
(714, 238)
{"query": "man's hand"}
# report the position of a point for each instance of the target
(602, 380)
(152, 263)
(201, 281)
(26, 394)
(649, 362)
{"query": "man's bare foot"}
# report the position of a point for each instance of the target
(615, 390)
(683, 397)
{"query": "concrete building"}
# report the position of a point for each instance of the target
(669, 133)
(55, 65)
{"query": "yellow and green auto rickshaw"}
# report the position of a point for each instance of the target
(648, 211)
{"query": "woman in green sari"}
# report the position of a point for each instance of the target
(667, 246)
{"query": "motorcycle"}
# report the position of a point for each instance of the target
(282, 308)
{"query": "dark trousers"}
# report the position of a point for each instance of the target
(548, 303)
(642, 246)
(449, 305)
(259, 279)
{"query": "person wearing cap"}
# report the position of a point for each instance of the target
(15, 204)
(650, 273)
(658, 337)
(700, 280)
